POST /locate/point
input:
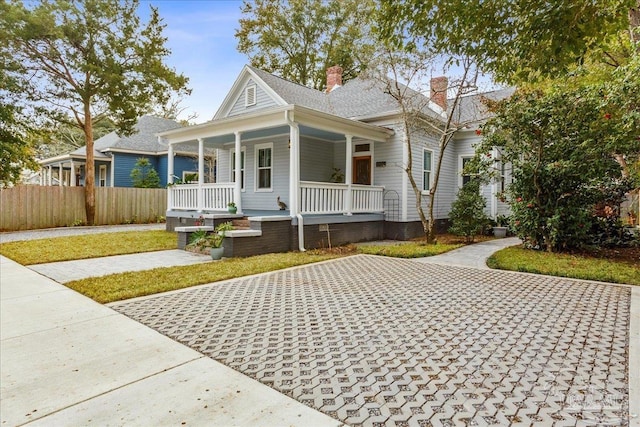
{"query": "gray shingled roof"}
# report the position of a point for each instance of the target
(362, 97)
(294, 93)
(144, 139)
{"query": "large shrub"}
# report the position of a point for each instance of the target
(562, 143)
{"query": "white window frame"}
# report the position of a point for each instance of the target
(243, 167)
(259, 147)
(461, 163)
(250, 95)
(102, 176)
(426, 185)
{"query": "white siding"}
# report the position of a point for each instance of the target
(465, 147)
(253, 199)
(390, 175)
(317, 160)
(223, 166)
(443, 196)
(263, 100)
(339, 156)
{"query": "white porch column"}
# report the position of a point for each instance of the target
(294, 173)
(60, 176)
(348, 174)
(112, 173)
(170, 167)
(72, 176)
(200, 174)
(237, 187)
(49, 175)
(215, 170)
(170, 174)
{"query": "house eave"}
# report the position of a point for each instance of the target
(128, 151)
(274, 117)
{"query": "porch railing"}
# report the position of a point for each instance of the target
(331, 198)
(315, 197)
(214, 196)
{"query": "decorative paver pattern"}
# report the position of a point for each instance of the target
(378, 341)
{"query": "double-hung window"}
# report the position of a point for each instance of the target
(233, 166)
(465, 177)
(264, 167)
(102, 176)
(427, 161)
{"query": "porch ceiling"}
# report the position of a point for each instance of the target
(273, 121)
(221, 140)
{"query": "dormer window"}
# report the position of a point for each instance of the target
(250, 96)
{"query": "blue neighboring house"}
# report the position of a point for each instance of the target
(115, 157)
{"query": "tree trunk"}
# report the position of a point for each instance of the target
(634, 23)
(90, 174)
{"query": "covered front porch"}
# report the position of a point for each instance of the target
(288, 154)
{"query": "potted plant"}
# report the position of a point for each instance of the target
(231, 206)
(202, 241)
(500, 229)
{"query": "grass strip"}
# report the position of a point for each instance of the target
(116, 287)
(85, 246)
(408, 250)
(565, 265)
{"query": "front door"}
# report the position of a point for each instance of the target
(362, 170)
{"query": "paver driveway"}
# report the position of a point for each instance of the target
(381, 341)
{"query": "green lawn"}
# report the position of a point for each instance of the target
(87, 246)
(564, 265)
(408, 250)
(121, 286)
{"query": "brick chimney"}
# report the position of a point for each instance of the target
(334, 77)
(439, 87)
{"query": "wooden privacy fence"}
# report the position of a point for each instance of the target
(29, 207)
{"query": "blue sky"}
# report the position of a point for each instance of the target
(203, 47)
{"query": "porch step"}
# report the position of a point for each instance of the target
(241, 224)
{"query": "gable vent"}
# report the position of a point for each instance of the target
(250, 96)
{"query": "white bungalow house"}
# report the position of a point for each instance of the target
(335, 159)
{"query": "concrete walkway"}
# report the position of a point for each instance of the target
(67, 360)
(66, 271)
(472, 255)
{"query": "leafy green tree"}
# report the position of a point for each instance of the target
(82, 61)
(467, 212)
(16, 153)
(562, 143)
(517, 41)
(300, 39)
(65, 138)
(143, 174)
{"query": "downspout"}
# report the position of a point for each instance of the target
(294, 175)
(170, 176)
